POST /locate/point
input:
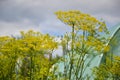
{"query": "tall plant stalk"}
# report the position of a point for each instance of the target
(71, 56)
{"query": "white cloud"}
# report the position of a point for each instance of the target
(8, 28)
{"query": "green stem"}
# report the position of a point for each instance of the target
(82, 61)
(31, 68)
(71, 59)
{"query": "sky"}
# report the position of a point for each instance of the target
(23, 15)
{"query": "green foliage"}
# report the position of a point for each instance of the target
(110, 70)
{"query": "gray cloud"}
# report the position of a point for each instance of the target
(18, 15)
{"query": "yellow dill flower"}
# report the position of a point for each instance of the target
(106, 48)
